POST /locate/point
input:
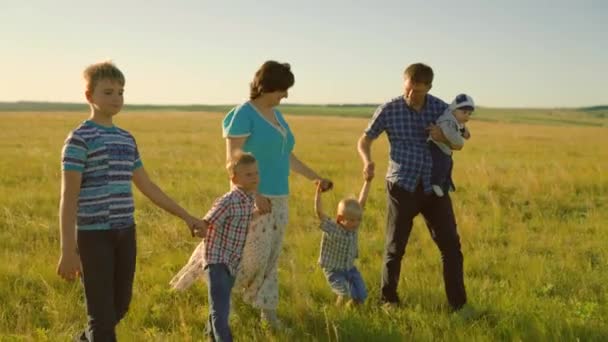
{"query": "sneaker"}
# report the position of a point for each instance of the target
(437, 190)
(340, 301)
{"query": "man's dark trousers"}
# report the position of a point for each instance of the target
(403, 206)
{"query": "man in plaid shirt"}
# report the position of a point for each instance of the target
(225, 231)
(408, 120)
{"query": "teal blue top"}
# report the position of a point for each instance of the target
(271, 145)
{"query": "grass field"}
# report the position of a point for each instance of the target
(532, 208)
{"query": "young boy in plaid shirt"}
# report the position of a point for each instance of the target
(339, 246)
(225, 231)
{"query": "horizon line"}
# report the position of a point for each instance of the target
(337, 104)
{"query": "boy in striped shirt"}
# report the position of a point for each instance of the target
(339, 247)
(225, 230)
(99, 162)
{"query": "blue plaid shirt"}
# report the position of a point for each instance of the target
(339, 247)
(410, 158)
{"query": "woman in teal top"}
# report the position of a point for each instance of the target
(269, 139)
(259, 128)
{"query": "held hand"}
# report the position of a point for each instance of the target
(200, 232)
(325, 184)
(199, 229)
(193, 224)
(69, 267)
(318, 204)
(369, 171)
(319, 188)
(255, 214)
(190, 221)
(262, 204)
(435, 133)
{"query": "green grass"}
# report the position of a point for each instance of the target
(531, 207)
(570, 117)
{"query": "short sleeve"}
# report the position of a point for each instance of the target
(328, 226)
(74, 153)
(238, 123)
(219, 212)
(377, 123)
(137, 163)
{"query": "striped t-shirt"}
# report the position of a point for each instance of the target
(106, 157)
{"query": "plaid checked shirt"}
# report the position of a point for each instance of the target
(339, 247)
(410, 158)
(228, 221)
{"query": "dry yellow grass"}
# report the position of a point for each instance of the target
(531, 208)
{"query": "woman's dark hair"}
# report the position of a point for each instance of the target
(271, 76)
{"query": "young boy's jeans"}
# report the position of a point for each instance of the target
(347, 283)
(220, 283)
(108, 268)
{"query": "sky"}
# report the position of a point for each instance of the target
(514, 53)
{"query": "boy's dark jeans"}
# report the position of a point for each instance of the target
(108, 268)
(403, 206)
(441, 172)
(219, 285)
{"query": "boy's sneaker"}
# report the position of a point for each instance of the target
(437, 190)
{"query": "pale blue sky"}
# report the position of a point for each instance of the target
(504, 53)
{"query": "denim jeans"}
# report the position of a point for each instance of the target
(347, 283)
(220, 283)
(108, 269)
